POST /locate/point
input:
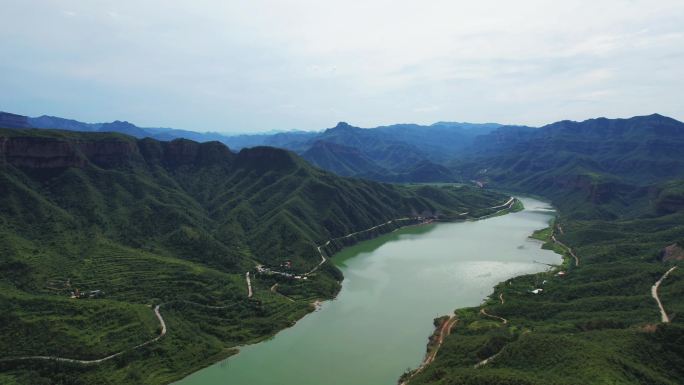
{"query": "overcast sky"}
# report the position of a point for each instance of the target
(257, 65)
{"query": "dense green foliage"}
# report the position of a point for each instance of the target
(175, 224)
(598, 324)
(599, 168)
(179, 223)
(619, 190)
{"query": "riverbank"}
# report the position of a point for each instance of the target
(598, 315)
(443, 326)
(251, 290)
(389, 264)
(546, 236)
(334, 246)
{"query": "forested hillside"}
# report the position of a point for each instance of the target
(127, 224)
(606, 166)
(593, 320)
(179, 223)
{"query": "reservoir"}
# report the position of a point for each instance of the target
(394, 287)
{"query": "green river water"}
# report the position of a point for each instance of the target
(394, 287)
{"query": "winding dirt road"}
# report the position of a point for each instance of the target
(654, 293)
(162, 333)
(508, 203)
(274, 290)
(323, 259)
(249, 285)
(577, 261)
(484, 313)
(506, 206)
(444, 331)
(486, 360)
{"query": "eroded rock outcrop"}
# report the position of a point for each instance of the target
(673, 252)
(107, 152)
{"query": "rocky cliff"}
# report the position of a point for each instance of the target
(25, 150)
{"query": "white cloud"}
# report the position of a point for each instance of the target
(266, 64)
(426, 109)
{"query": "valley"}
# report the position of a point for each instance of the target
(231, 248)
(342, 193)
(395, 285)
(177, 227)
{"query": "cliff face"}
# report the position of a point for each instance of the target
(182, 152)
(673, 252)
(34, 152)
(40, 153)
(109, 152)
(264, 159)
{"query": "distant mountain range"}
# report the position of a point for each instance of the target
(597, 152)
(607, 164)
(396, 153)
(8, 120)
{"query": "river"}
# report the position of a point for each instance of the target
(394, 287)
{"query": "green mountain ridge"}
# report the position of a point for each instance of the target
(173, 223)
(618, 187)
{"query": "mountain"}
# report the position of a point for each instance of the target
(209, 174)
(123, 128)
(180, 223)
(8, 120)
(601, 156)
(138, 223)
(297, 141)
(390, 154)
(379, 146)
(608, 162)
(287, 140)
(342, 160)
(364, 153)
(396, 153)
(46, 121)
(13, 120)
(603, 159)
(440, 141)
(619, 188)
(640, 149)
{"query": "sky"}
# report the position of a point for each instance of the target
(257, 65)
